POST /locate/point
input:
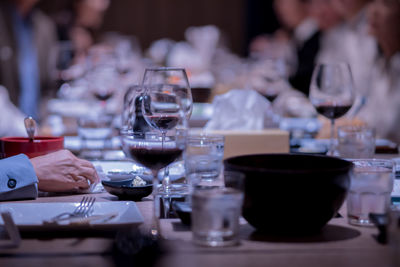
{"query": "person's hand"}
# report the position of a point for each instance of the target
(62, 171)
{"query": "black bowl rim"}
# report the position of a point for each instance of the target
(347, 164)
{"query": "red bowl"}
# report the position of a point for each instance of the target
(11, 146)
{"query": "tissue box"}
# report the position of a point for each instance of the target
(254, 142)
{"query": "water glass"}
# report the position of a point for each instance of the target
(204, 154)
(95, 131)
(216, 212)
(356, 142)
(370, 190)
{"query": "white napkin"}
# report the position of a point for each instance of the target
(238, 109)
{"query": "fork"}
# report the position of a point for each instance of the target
(84, 208)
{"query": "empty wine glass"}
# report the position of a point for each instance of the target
(332, 93)
(169, 81)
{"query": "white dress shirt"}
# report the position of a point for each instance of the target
(382, 109)
(11, 118)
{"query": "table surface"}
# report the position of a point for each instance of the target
(338, 244)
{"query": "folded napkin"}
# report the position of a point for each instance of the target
(239, 109)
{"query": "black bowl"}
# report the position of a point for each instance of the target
(125, 191)
(291, 193)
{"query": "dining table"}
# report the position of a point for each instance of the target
(338, 244)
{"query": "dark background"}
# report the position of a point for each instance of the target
(149, 20)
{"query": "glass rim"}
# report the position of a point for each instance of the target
(166, 69)
(374, 162)
(355, 127)
(209, 137)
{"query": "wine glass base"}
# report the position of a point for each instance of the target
(172, 190)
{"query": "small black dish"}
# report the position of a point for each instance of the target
(183, 210)
(125, 191)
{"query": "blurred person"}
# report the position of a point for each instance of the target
(61, 171)
(26, 36)
(355, 46)
(329, 21)
(382, 109)
(303, 34)
(79, 22)
(11, 118)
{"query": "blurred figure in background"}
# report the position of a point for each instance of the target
(79, 23)
(302, 32)
(356, 46)
(11, 118)
(329, 21)
(26, 36)
(382, 109)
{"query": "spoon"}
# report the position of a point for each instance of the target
(30, 126)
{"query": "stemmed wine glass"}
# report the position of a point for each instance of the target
(169, 81)
(154, 151)
(332, 93)
(275, 76)
(165, 90)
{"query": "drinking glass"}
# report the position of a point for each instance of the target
(332, 93)
(154, 151)
(356, 142)
(204, 154)
(216, 211)
(103, 83)
(166, 101)
(95, 132)
(168, 81)
(275, 76)
(370, 191)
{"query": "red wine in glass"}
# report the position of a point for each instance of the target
(332, 111)
(270, 96)
(155, 158)
(103, 96)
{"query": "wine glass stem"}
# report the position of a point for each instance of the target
(155, 230)
(332, 139)
(165, 185)
(163, 134)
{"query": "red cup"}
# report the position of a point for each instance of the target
(41, 145)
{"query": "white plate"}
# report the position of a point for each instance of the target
(30, 216)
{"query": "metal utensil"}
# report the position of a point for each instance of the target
(30, 126)
(84, 209)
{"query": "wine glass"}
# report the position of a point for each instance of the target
(154, 151)
(169, 81)
(275, 77)
(103, 83)
(65, 65)
(332, 93)
(165, 90)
